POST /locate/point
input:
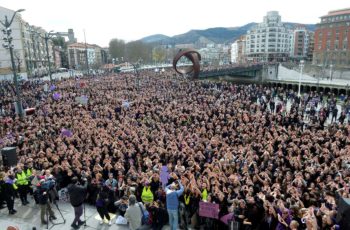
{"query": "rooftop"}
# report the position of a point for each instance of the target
(337, 12)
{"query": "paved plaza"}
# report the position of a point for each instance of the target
(28, 217)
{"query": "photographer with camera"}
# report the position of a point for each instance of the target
(43, 197)
(77, 195)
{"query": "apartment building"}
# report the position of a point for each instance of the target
(332, 39)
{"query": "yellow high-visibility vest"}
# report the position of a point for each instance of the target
(21, 179)
(205, 195)
(187, 199)
(147, 195)
(28, 173)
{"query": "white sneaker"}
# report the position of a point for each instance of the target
(110, 222)
(101, 221)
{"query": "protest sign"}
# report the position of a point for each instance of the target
(125, 104)
(83, 100)
(210, 210)
(66, 133)
(46, 88)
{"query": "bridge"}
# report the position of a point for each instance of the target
(279, 76)
(242, 71)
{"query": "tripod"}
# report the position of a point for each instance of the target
(85, 225)
(47, 217)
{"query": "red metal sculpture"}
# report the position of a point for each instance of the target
(194, 57)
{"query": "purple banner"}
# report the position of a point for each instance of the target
(209, 210)
(66, 133)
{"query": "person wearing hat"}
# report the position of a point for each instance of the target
(133, 213)
(172, 203)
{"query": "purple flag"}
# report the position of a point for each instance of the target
(225, 219)
(52, 87)
(56, 96)
(66, 133)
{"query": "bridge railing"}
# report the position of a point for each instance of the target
(230, 71)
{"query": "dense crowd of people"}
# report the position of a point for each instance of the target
(269, 159)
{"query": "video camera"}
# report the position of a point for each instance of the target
(48, 184)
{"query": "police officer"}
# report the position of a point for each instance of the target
(22, 184)
(2, 195)
(29, 172)
(9, 192)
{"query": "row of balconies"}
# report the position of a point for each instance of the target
(251, 51)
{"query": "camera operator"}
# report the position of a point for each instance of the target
(77, 195)
(42, 190)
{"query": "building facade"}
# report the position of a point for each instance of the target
(269, 40)
(77, 56)
(35, 52)
(216, 54)
(332, 39)
(238, 51)
(29, 45)
(300, 41)
(18, 46)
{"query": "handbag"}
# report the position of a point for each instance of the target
(145, 219)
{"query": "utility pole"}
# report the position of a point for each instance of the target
(86, 55)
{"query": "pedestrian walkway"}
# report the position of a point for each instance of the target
(28, 217)
(288, 75)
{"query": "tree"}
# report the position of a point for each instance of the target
(131, 51)
(117, 48)
(159, 54)
(61, 42)
(136, 50)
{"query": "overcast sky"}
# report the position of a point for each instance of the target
(134, 19)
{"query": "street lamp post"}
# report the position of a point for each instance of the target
(331, 72)
(301, 65)
(8, 39)
(86, 56)
(47, 37)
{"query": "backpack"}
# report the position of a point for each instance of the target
(146, 217)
